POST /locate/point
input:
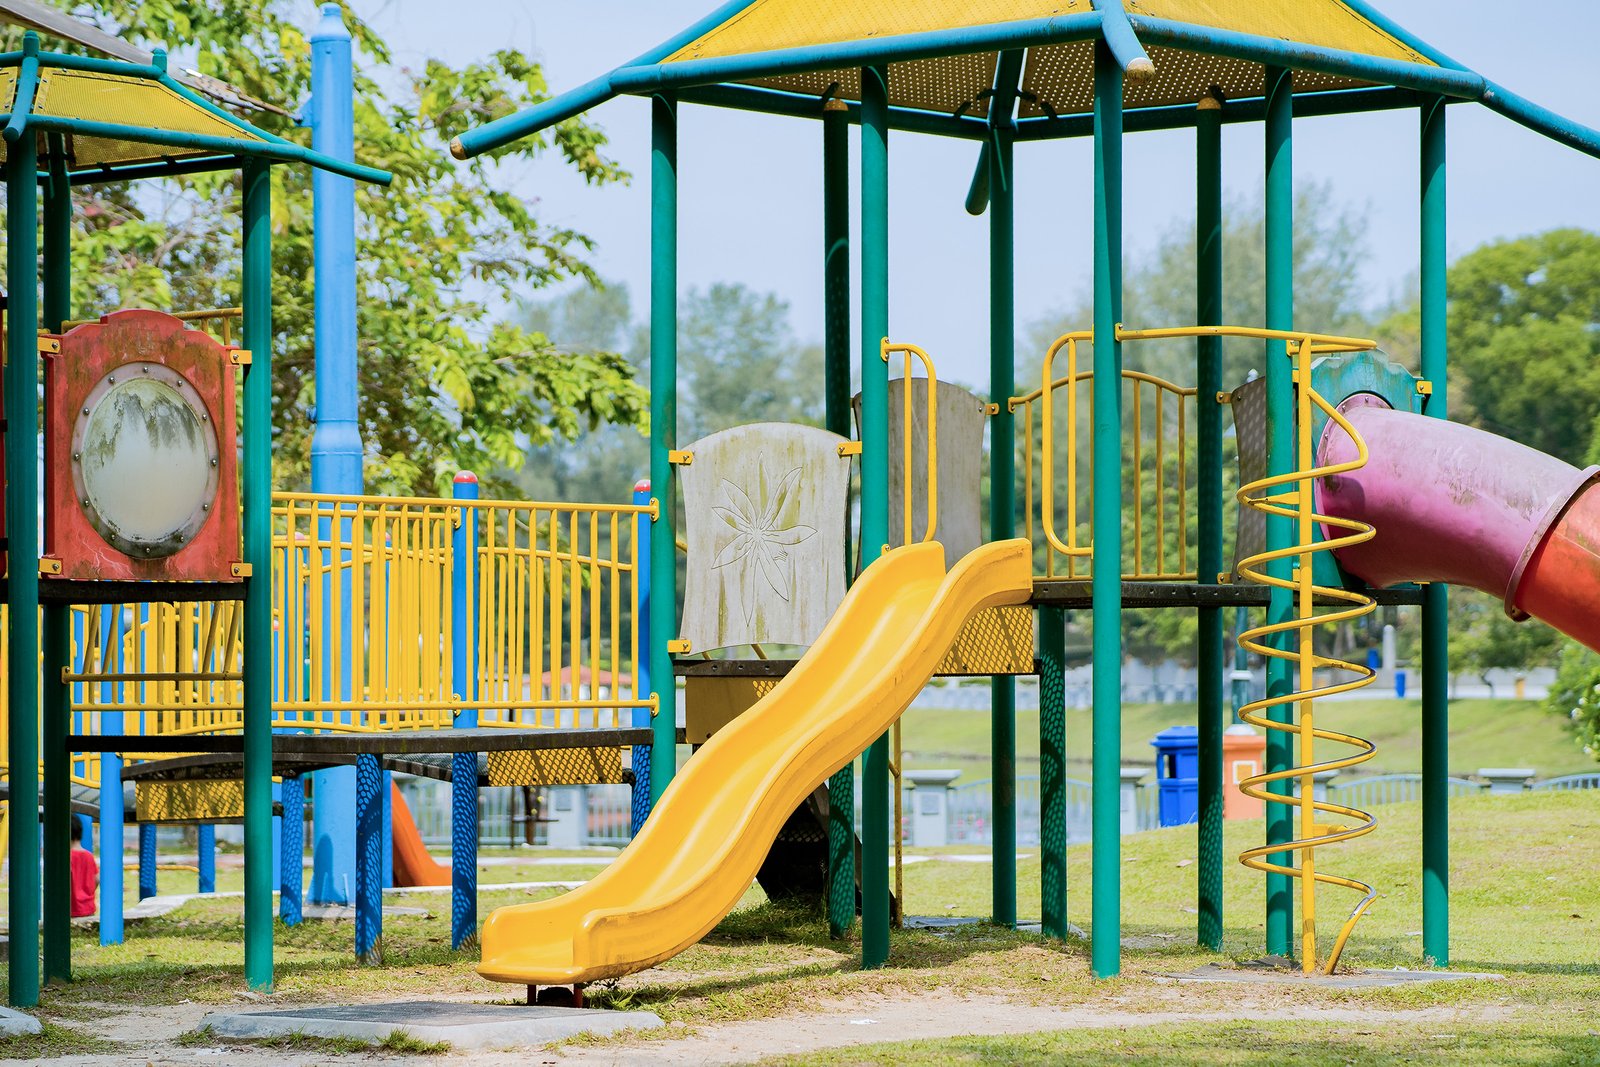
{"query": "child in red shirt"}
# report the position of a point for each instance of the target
(85, 873)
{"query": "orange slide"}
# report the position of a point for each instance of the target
(412, 864)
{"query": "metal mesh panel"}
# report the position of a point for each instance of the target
(1250, 431)
(556, 766)
(184, 802)
(1324, 23)
(1060, 78)
(947, 84)
(996, 641)
(773, 24)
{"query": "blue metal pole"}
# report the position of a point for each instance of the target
(369, 864)
(641, 666)
(464, 765)
(207, 860)
(292, 835)
(111, 814)
(336, 450)
(147, 860)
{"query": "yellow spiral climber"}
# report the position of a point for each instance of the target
(1291, 496)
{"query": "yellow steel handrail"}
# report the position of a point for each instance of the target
(912, 352)
(1292, 496)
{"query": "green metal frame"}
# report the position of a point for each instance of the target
(255, 151)
(663, 435)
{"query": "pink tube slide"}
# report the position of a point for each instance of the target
(1458, 505)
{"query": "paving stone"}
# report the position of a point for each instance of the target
(463, 1025)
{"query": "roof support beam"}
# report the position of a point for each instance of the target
(802, 105)
(1445, 81)
(877, 51)
(1144, 120)
(1123, 42)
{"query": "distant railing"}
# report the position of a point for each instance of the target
(1589, 780)
(1396, 789)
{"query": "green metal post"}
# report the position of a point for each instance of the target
(1106, 573)
(257, 492)
(663, 435)
(1208, 310)
(22, 512)
(836, 399)
(874, 482)
(1002, 515)
(1280, 460)
(1053, 771)
(57, 618)
(1435, 598)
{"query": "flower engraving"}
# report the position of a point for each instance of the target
(760, 542)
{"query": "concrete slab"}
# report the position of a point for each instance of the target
(16, 1024)
(464, 1026)
(1268, 974)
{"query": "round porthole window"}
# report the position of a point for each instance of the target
(144, 460)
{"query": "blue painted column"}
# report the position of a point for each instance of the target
(641, 666)
(147, 860)
(292, 837)
(207, 859)
(464, 765)
(369, 864)
(336, 450)
(111, 814)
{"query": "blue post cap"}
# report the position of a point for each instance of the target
(331, 27)
(1175, 737)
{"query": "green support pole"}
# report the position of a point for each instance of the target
(1280, 460)
(22, 512)
(257, 492)
(1208, 311)
(57, 618)
(874, 482)
(1106, 573)
(1053, 771)
(663, 435)
(1002, 514)
(836, 399)
(1435, 598)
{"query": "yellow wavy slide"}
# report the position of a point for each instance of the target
(700, 849)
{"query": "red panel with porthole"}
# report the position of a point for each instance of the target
(141, 477)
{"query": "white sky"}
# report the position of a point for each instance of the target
(750, 185)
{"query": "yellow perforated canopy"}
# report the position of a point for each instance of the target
(121, 100)
(1058, 78)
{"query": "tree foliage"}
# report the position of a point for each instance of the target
(444, 384)
(1524, 340)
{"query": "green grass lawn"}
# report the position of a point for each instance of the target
(1483, 733)
(1526, 903)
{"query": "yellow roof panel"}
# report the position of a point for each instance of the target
(768, 25)
(116, 98)
(1323, 23)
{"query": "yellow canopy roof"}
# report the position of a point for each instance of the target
(1057, 78)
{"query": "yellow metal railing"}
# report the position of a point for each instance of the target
(549, 636)
(914, 355)
(1157, 479)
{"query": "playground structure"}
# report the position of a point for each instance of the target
(415, 635)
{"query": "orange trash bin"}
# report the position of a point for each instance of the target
(1243, 754)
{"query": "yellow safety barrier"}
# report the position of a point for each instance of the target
(1158, 430)
(549, 638)
(907, 457)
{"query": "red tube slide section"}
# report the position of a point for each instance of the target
(1458, 505)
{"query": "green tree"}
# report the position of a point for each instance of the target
(1525, 338)
(739, 362)
(1483, 638)
(444, 383)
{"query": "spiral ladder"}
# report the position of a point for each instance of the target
(1320, 823)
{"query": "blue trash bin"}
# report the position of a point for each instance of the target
(1178, 774)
